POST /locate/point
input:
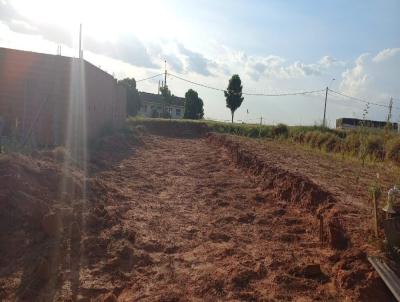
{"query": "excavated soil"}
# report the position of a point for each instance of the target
(170, 218)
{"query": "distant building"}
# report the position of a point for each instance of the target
(37, 92)
(353, 123)
(153, 105)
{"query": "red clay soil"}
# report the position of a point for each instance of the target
(345, 179)
(169, 219)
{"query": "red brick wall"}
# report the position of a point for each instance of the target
(36, 92)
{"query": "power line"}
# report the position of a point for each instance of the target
(270, 95)
(360, 100)
(250, 94)
(157, 75)
(198, 84)
(285, 94)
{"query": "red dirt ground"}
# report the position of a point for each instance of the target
(170, 219)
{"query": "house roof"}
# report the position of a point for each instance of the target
(157, 98)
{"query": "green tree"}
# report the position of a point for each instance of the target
(133, 101)
(233, 94)
(168, 99)
(193, 105)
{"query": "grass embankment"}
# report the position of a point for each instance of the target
(366, 144)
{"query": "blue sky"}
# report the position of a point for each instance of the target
(343, 28)
(275, 46)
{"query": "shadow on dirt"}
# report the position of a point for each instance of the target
(171, 128)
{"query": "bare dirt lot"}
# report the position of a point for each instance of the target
(171, 219)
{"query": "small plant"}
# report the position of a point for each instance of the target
(374, 147)
(375, 191)
(280, 130)
(332, 143)
(364, 135)
(393, 150)
(352, 143)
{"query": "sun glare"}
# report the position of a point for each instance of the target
(103, 20)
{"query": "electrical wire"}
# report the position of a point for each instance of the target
(272, 95)
(198, 84)
(246, 93)
(285, 94)
(361, 100)
(149, 78)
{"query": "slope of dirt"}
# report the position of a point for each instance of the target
(172, 128)
(347, 213)
(166, 219)
(347, 180)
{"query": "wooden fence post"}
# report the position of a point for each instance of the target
(375, 213)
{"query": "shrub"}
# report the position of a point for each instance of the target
(332, 143)
(374, 147)
(280, 130)
(352, 143)
(308, 137)
(321, 138)
(393, 150)
(139, 130)
(298, 137)
(311, 138)
(265, 132)
(254, 132)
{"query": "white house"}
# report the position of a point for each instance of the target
(153, 105)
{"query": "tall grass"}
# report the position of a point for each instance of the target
(364, 143)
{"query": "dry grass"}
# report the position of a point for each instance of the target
(366, 144)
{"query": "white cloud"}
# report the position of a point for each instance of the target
(375, 77)
(196, 62)
(276, 67)
(328, 61)
(386, 54)
(354, 79)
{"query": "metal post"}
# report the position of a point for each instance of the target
(80, 41)
(326, 98)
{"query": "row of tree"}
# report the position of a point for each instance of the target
(193, 103)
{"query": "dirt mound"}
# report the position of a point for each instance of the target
(170, 128)
(30, 186)
(352, 272)
(286, 185)
(31, 215)
(47, 221)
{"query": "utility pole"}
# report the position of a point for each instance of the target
(326, 99)
(165, 74)
(390, 110)
(261, 121)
